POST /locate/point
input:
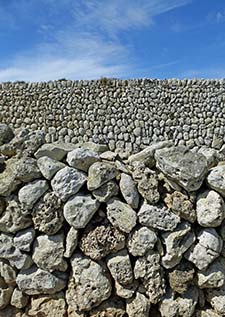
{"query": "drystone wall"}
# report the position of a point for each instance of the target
(88, 232)
(121, 113)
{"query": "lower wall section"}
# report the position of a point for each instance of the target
(89, 232)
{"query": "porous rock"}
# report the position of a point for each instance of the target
(141, 240)
(138, 306)
(82, 158)
(24, 238)
(106, 191)
(19, 299)
(181, 277)
(49, 167)
(216, 297)
(213, 276)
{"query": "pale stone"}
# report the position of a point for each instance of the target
(216, 297)
(71, 242)
(56, 151)
(5, 293)
(141, 240)
(24, 238)
(106, 191)
(82, 158)
(216, 179)
(129, 190)
(138, 306)
(7, 272)
(19, 299)
(213, 276)
(49, 167)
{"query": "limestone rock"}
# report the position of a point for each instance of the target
(26, 169)
(213, 276)
(24, 238)
(216, 297)
(210, 209)
(141, 240)
(11, 311)
(56, 151)
(5, 293)
(121, 215)
(82, 158)
(114, 307)
(92, 146)
(181, 277)
(120, 267)
(34, 281)
(148, 188)
(19, 299)
(126, 291)
(138, 306)
(108, 156)
(210, 154)
(47, 214)
(79, 210)
(158, 217)
(88, 286)
(8, 180)
(207, 313)
(216, 179)
(100, 173)
(106, 191)
(186, 168)
(29, 194)
(71, 242)
(6, 133)
(48, 252)
(7, 272)
(129, 190)
(49, 167)
(67, 182)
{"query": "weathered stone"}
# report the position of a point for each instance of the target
(8, 273)
(207, 313)
(29, 194)
(56, 151)
(19, 299)
(82, 158)
(8, 180)
(216, 297)
(49, 167)
(108, 156)
(138, 306)
(5, 293)
(48, 252)
(148, 188)
(79, 210)
(106, 191)
(71, 242)
(216, 179)
(181, 277)
(6, 133)
(121, 215)
(213, 276)
(120, 267)
(24, 238)
(34, 281)
(186, 168)
(158, 217)
(92, 146)
(181, 205)
(114, 307)
(126, 291)
(26, 169)
(88, 286)
(141, 240)
(2, 205)
(67, 182)
(11, 311)
(129, 190)
(100, 173)
(210, 154)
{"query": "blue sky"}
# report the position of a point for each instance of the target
(42, 40)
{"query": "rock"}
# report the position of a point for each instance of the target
(121, 215)
(6, 133)
(210, 154)
(150, 272)
(2, 205)
(14, 218)
(138, 306)
(8, 180)
(56, 151)
(34, 281)
(85, 291)
(120, 267)
(106, 191)
(177, 242)
(5, 293)
(48, 252)
(93, 147)
(148, 188)
(206, 250)
(10, 311)
(181, 205)
(102, 240)
(129, 190)
(210, 209)
(213, 276)
(26, 169)
(114, 307)
(100, 173)
(126, 291)
(71, 242)
(79, 210)
(47, 214)
(108, 156)
(182, 166)
(207, 313)
(216, 179)
(67, 182)
(8, 273)
(48, 305)
(29, 194)
(158, 217)
(24, 238)
(181, 277)
(19, 299)
(141, 240)
(216, 297)
(82, 158)
(49, 167)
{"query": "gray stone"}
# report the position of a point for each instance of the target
(19, 299)
(213, 276)
(106, 191)
(8, 273)
(5, 293)
(6, 133)
(216, 297)
(216, 179)
(24, 238)
(211, 156)
(138, 306)
(49, 167)
(82, 158)
(121, 215)
(129, 190)
(181, 277)
(126, 291)
(207, 313)
(56, 151)
(141, 240)
(71, 242)
(148, 188)
(79, 210)
(67, 182)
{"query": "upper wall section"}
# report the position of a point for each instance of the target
(123, 113)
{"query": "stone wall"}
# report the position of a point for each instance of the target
(89, 232)
(122, 113)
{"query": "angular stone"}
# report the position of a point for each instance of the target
(113, 307)
(5, 293)
(216, 297)
(108, 156)
(48, 252)
(19, 299)
(56, 151)
(126, 291)
(29, 194)
(102, 240)
(94, 147)
(121, 215)
(138, 306)
(129, 190)
(11, 311)
(82, 158)
(100, 173)
(181, 205)
(34, 281)
(24, 238)
(6, 133)
(106, 191)
(216, 179)
(181, 277)
(49, 167)
(85, 291)
(210, 209)
(177, 242)
(8, 273)
(141, 240)
(207, 313)
(47, 214)
(79, 210)
(120, 267)
(26, 169)
(148, 188)
(67, 182)
(8, 180)
(71, 242)
(213, 276)
(210, 154)
(158, 217)
(182, 166)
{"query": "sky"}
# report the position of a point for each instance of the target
(42, 40)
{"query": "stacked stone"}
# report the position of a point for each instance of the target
(88, 232)
(128, 114)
